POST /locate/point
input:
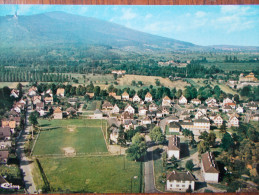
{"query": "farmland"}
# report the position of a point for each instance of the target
(84, 136)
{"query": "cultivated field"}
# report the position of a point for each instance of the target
(71, 137)
(104, 174)
(12, 84)
(151, 80)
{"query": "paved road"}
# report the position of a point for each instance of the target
(149, 171)
(25, 163)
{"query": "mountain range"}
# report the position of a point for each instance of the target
(59, 28)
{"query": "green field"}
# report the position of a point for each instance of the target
(92, 174)
(83, 135)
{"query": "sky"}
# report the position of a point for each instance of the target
(201, 25)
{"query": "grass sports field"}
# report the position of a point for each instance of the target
(104, 174)
(80, 135)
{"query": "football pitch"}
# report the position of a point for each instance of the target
(71, 136)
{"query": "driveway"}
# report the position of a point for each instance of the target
(149, 170)
(25, 163)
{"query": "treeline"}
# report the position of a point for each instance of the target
(6, 102)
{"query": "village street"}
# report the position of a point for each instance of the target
(25, 163)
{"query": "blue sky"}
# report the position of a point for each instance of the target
(202, 25)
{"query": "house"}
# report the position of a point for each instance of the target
(180, 181)
(151, 114)
(32, 91)
(233, 121)
(9, 123)
(255, 117)
(209, 168)
(252, 106)
(71, 111)
(165, 110)
(214, 109)
(142, 111)
(49, 92)
(91, 95)
(211, 102)
(5, 133)
(227, 100)
(196, 101)
(146, 121)
(72, 101)
(40, 106)
(182, 100)
(98, 114)
(130, 124)
(190, 108)
(129, 109)
(173, 147)
(14, 93)
(5, 144)
(203, 109)
(173, 119)
(119, 72)
(125, 96)
(232, 105)
(107, 106)
(152, 107)
(198, 115)
(115, 109)
(166, 101)
(184, 115)
(126, 116)
(60, 92)
(4, 156)
(48, 100)
(148, 97)
(226, 108)
(114, 134)
(41, 112)
(240, 110)
(136, 98)
(58, 113)
(17, 109)
(174, 127)
(218, 120)
(159, 113)
(201, 124)
(36, 101)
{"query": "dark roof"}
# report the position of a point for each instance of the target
(2, 180)
(174, 125)
(97, 112)
(40, 104)
(202, 107)
(71, 109)
(4, 132)
(174, 143)
(107, 104)
(185, 123)
(201, 121)
(180, 176)
(209, 163)
(4, 155)
(127, 115)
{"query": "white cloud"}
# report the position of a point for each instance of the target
(200, 14)
(128, 14)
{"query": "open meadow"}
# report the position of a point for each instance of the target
(151, 80)
(100, 174)
(75, 135)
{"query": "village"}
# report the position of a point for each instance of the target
(165, 122)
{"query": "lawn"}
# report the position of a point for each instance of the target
(92, 174)
(85, 136)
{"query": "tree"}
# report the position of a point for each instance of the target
(138, 148)
(223, 127)
(33, 118)
(203, 147)
(189, 165)
(157, 135)
(157, 82)
(227, 142)
(121, 138)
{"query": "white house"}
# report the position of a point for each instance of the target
(146, 121)
(218, 120)
(174, 127)
(227, 100)
(115, 109)
(130, 109)
(136, 98)
(211, 102)
(142, 111)
(152, 107)
(196, 101)
(198, 115)
(209, 168)
(182, 100)
(180, 181)
(240, 110)
(166, 101)
(148, 97)
(98, 114)
(114, 134)
(32, 91)
(203, 109)
(233, 121)
(125, 96)
(60, 92)
(173, 147)
(14, 93)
